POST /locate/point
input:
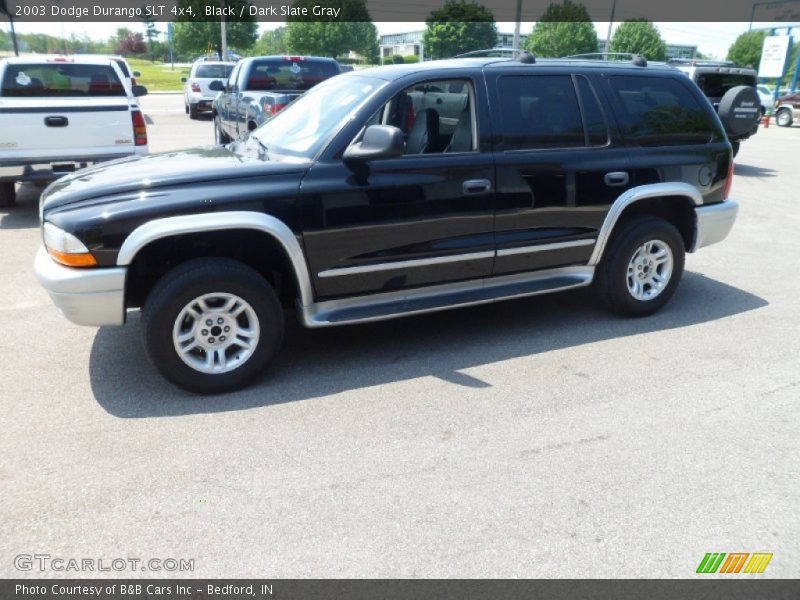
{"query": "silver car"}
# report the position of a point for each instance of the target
(197, 96)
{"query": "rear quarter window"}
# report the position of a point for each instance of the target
(660, 111)
(60, 80)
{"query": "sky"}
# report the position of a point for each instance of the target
(712, 39)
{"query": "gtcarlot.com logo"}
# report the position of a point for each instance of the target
(46, 562)
(734, 562)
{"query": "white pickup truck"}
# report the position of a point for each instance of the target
(61, 114)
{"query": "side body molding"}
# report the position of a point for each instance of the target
(642, 192)
(170, 226)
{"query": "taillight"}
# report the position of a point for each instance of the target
(196, 88)
(728, 182)
(275, 108)
(133, 80)
(139, 128)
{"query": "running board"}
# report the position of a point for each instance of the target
(389, 305)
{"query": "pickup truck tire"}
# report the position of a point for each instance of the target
(219, 137)
(641, 267)
(735, 146)
(211, 325)
(186, 108)
(784, 117)
(193, 111)
(8, 194)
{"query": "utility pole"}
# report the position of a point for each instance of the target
(518, 18)
(610, 23)
(224, 34)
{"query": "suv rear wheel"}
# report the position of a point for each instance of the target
(211, 325)
(784, 117)
(641, 267)
(8, 194)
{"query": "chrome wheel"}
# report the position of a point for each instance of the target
(649, 270)
(216, 333)
(783, 118)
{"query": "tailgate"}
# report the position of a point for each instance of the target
(64, 128)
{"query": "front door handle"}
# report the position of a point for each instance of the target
(617, 178)
(56, 121)
(476, 187)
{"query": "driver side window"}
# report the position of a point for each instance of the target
(436, 117)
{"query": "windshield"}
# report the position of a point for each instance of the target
(302, 128)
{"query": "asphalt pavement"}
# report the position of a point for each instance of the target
(536, 438)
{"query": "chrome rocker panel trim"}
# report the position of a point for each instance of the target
(388, 305)
(93, 297)
(169, 226)
(406, 264)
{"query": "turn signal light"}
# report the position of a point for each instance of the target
(72, 260)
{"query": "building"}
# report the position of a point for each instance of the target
(410, 43)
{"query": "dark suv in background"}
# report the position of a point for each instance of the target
(394, 191)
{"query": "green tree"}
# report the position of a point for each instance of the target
(352, 30)
(639, 36)
(193, 34)
(271, 42)
(746, 50)
(5, 40)
(150, 32)
(563, 30)
(458, 27)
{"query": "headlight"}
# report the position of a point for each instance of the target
(65, 248)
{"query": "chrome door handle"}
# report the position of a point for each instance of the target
(616, 178)
(476, 187)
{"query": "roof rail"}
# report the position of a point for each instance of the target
(695, 62)
(636, 59)
(504, 50)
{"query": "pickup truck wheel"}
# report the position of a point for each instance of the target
(8, 194)
(193, 111)
(219, 137)
(211, 325)
(784, 117)
(642, 266)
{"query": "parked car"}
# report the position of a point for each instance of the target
(58, 115)
(787, 109)
(390, 192)
(259, 88)
(197, 96)
(716, 79)
(129, 75)
(765, 95)
(214, 57)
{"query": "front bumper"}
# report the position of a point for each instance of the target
(93, 297)
(713, 223)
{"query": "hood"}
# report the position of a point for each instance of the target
(138, 173)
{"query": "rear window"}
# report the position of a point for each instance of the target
(715, 85)
(123, 66)
(659, 111)
(287, 74)
(212, 71)
(61, 79)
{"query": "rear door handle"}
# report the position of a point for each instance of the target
(56, 121)
(616, 178)
(476, 187)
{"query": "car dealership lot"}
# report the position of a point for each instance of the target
(534, 438)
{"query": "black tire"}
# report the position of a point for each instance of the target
(8, 194)
(189, 281)
(219, 137)
(784, 117)
(193, 111)
(186, 108)
(612, 272)
(735, 146)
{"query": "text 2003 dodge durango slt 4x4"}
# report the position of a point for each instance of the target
(391, 192)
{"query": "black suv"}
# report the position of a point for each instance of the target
(390, 192)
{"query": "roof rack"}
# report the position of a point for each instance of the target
(636, 59)
(504, 50)
(694, 62)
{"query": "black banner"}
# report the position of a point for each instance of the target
(777, 11)
(735, 588)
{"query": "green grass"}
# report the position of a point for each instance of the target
(159, 77)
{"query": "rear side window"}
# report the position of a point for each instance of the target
(596, 127)
(539, 111)
(212, 71)
(660, 111)
(288, 74)
(61, 80)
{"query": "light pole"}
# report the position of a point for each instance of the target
(610, 23)
(518, 18)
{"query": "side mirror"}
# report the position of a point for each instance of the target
(139, 90)
(216, 86)
(137, 73)
(379, 141)
(183, 80)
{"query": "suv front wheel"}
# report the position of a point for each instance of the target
(784, 117)
(641, 267)
(211, 325)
